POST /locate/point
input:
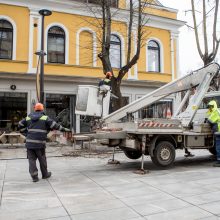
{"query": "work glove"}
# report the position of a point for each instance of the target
(64, 129)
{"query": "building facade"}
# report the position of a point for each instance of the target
(71, 41)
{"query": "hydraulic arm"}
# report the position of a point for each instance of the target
(200, 78)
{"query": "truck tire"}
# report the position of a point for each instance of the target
(133, 154)
(164, 154)
(213, 151)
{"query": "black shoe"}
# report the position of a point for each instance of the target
(35, 178)
(189, 154)
(217, 164)
(47, 176)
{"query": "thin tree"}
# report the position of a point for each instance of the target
(207, 55)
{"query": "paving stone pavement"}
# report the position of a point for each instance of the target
(87, 188)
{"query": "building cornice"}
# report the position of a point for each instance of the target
(77, 80)
(76, 8)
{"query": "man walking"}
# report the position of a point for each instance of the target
(214, 121)
(36, 127)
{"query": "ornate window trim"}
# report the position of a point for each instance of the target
(94, 44)
(161, 54)
(66, 40)
(14, 40)
(122, 46)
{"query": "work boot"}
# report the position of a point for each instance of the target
(189, 154)
(217, 164)
(47, 176)
(35, 178)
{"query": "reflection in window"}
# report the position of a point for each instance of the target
(160, 109)
(6, 39)
(153, 56)
(115, 51)
(56, 45)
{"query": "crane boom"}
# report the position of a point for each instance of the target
(186, 82)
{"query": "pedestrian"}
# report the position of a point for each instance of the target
(35, 127)
(214, 121)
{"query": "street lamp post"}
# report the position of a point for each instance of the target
(43, 12)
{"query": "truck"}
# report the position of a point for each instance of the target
(157, 137)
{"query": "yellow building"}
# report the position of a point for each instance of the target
(71, 42)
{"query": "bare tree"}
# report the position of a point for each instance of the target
(103, 12)
(207, 55)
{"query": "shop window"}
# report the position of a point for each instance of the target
(153, 56)
(13, 108)
(6, 39)
(161, 109)
(61, 108)
(115, 51)
(56, 45)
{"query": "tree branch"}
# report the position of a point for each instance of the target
(205, 31)
(196, 30)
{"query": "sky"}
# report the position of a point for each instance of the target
(188, 55)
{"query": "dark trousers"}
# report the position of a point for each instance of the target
(33, 155)
(217, 146)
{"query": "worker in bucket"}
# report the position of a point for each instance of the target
(105, 84)
(214, 121)
(36, 127)
(106, 80)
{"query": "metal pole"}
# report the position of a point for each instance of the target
(43, 12)
(42, 63)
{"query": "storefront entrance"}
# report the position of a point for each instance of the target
(13, 107)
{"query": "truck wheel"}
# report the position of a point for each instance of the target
(133, 154)
(164, 154)
(212, 151)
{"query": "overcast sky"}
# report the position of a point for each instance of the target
(189, 58)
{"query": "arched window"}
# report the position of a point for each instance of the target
(56, 45)
(153, 56)
(115, 51)
(6, 39)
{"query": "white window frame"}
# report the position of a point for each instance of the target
(66, 40)
(161, 58)
(14, 41)
(122, 46)
(94, 44)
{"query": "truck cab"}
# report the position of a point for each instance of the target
(201, 112)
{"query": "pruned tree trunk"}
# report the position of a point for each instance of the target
(130, 61)
(135, 22)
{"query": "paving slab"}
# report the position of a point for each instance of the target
(181, 214)
(86, 188)
(95, 206)
(144, 199)
(34, 214)
(203, 198)
(160, 206)
(213, 207)
(113, 214)
(211, 218)
(60, 218)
